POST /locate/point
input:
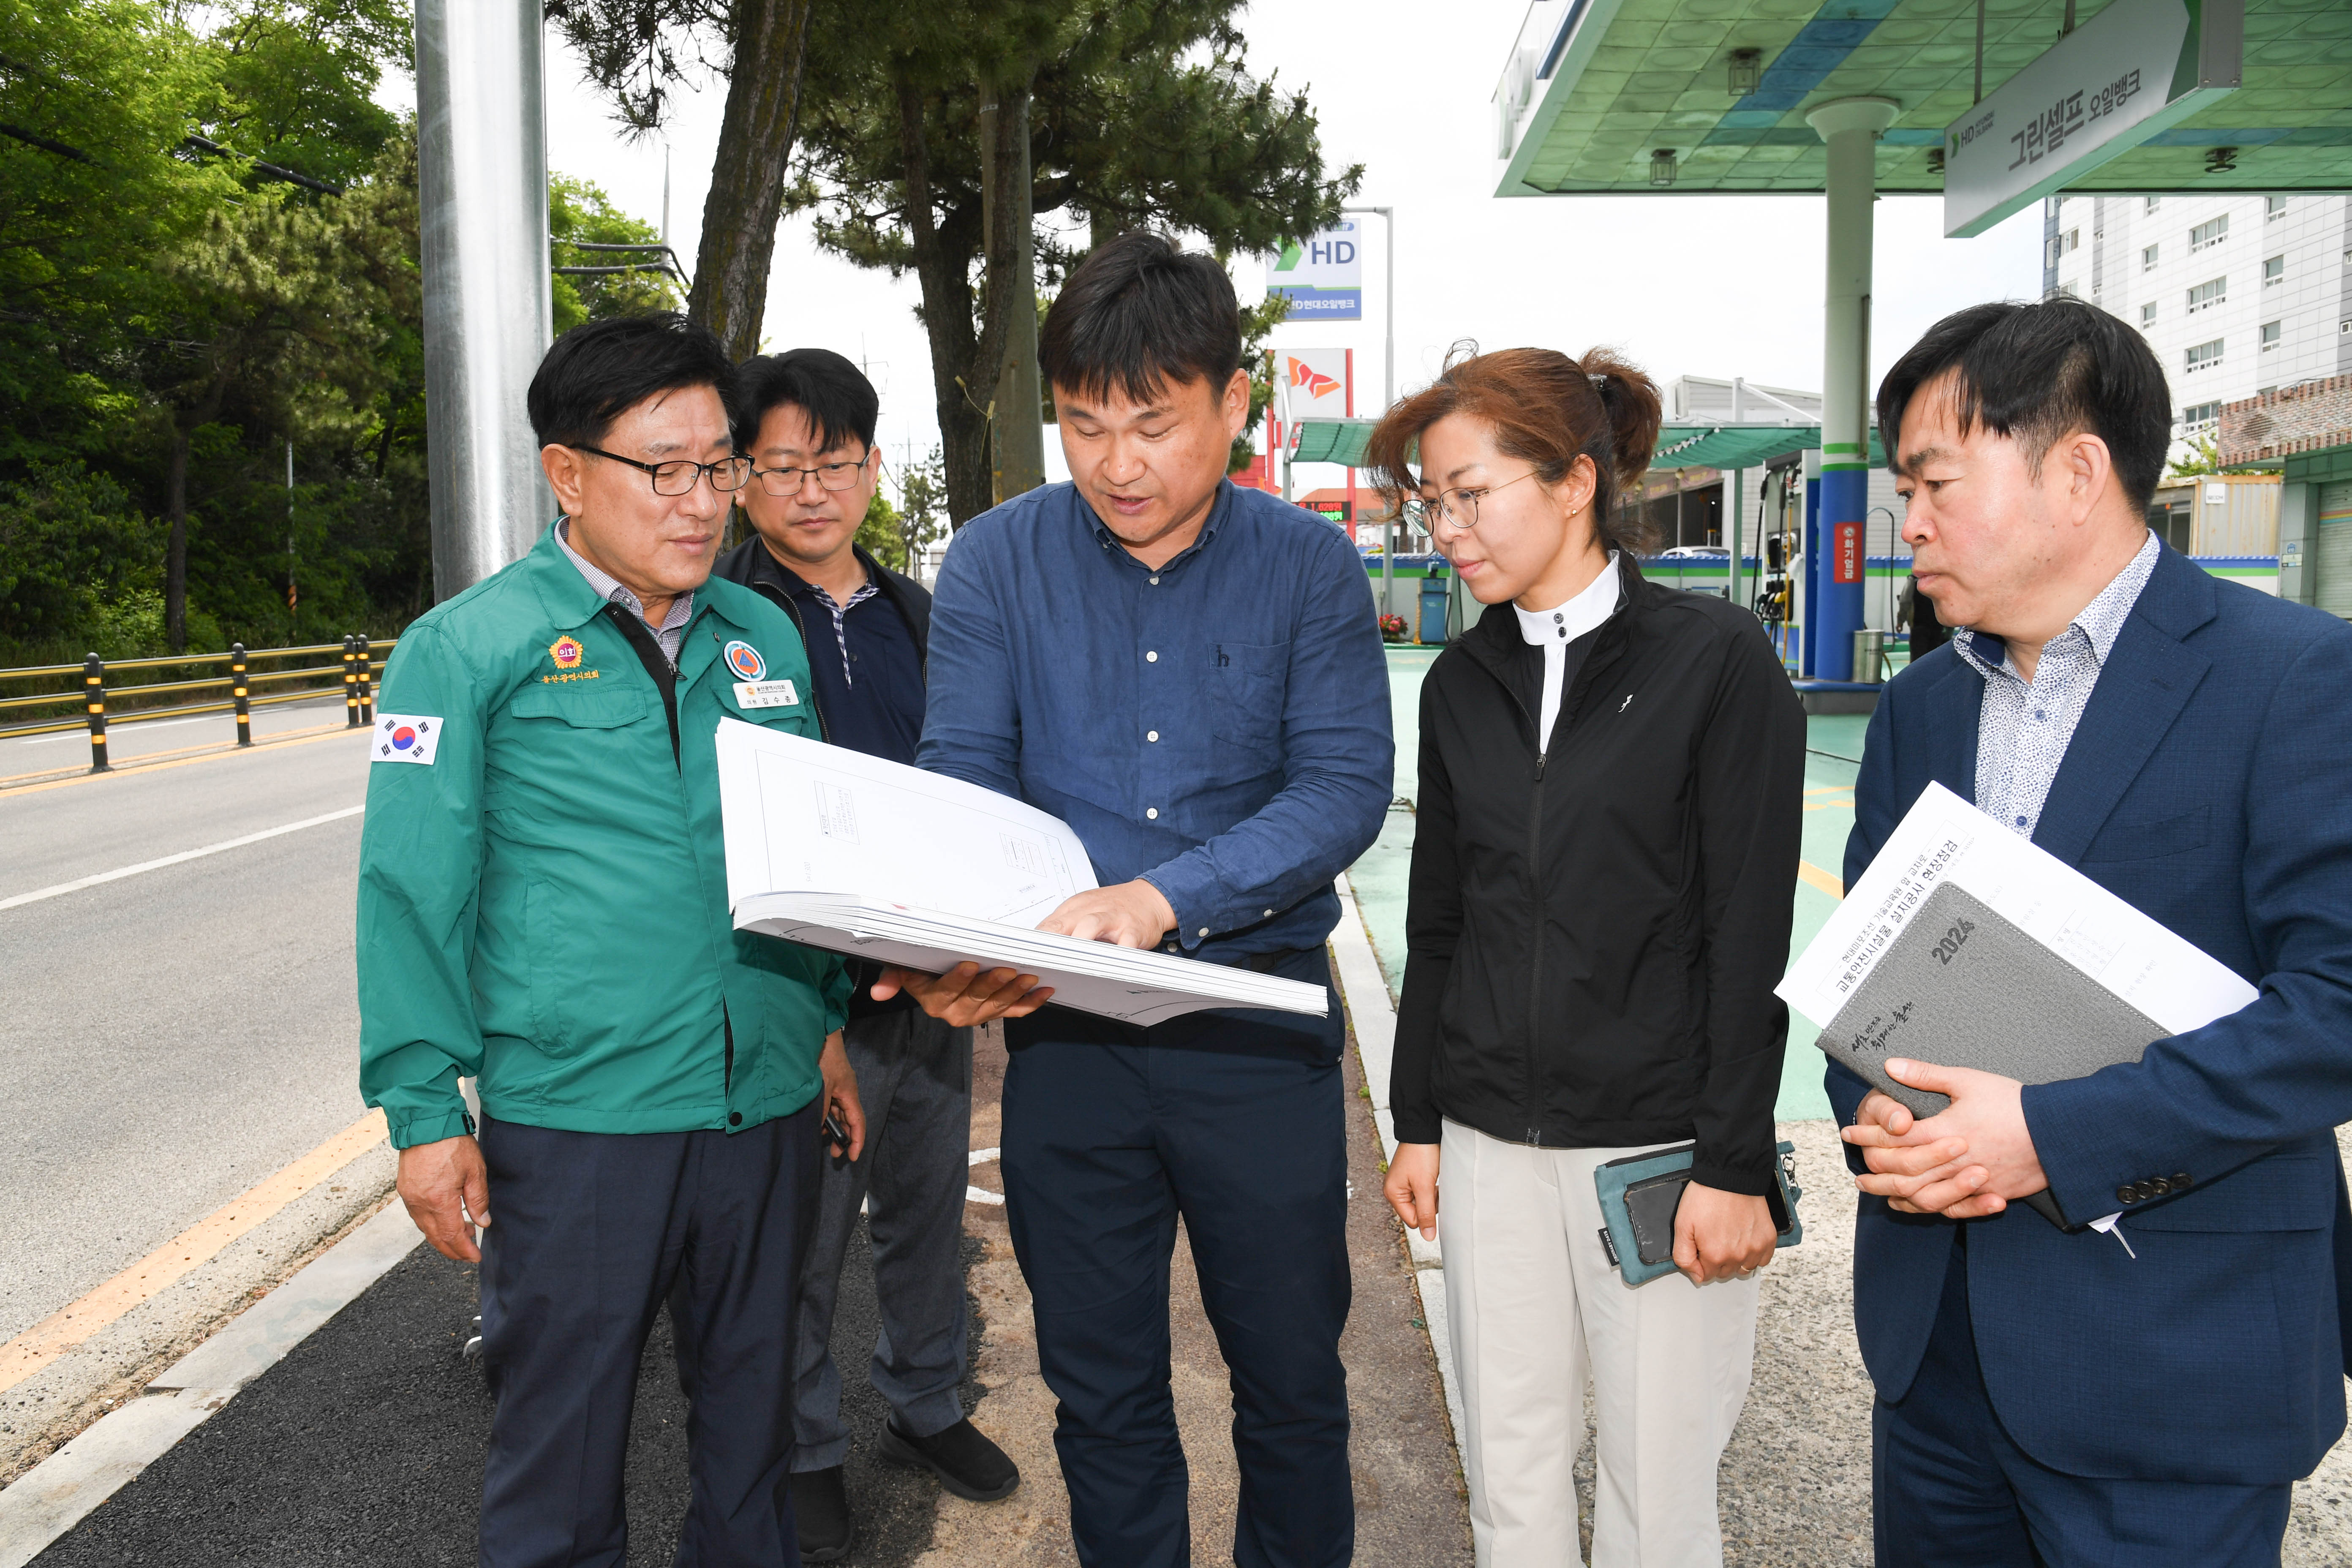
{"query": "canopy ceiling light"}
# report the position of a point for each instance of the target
(1662, 166)
(1746, 69)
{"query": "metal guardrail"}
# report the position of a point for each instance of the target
(355, 668)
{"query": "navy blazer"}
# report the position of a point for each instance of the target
(2208, 784)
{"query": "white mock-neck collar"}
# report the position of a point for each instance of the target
(1571, 621)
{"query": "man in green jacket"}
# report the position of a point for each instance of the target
(544, 909)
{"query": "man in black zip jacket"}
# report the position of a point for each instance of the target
(807, 422)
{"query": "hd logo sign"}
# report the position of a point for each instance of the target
(1321, 276)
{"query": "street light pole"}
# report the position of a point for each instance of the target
(481, 145)
(1388, 394)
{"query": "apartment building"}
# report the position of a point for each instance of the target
(2238, 295)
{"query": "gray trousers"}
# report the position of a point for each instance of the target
(914, 1078)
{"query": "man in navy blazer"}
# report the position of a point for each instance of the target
(2145, 1395)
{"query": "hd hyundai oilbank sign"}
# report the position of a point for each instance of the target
(1321, 276)
(2137, 68)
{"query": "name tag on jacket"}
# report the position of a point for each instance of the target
(766, 694)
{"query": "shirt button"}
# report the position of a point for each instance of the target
(1204, 930)
(1155, 582)
(1152, 734)
(2020, 822)
(1152, 812)
(1269, 914)
(734, 1118)
(1151, 658)
(2038, 714)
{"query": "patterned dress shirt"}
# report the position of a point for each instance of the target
(670, 634)
(2024, 727)
(865, 591)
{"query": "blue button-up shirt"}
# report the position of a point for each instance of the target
(1218, 727)
(2024, 727)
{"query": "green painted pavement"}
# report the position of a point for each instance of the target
(1834, 749)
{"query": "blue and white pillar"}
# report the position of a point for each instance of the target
(1851, 126)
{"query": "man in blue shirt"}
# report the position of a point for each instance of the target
(1191, 676)
(806, 420)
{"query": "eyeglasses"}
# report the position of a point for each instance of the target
(1459, 507)
(679, 476)
(829, 476)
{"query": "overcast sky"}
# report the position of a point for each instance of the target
(1716, 286)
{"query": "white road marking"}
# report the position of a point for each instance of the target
(37, 894)
(982, 1156)
(113, 725)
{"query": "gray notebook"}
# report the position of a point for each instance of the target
(1963, 987)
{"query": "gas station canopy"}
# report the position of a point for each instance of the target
(1679, 445)
(1596, 90)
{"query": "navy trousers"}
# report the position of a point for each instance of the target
(1235, 1121)
(590, 1233)
(1950, 1491)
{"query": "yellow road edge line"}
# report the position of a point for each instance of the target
(63, 1330)
(1806, 872)
(136, 765)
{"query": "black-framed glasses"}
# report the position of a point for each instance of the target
(1460, 506)
(829, 477)
(679, 476)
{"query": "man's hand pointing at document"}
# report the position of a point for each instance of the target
(1133, 914)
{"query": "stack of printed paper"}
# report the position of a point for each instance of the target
(839, 850)
(1966, 945)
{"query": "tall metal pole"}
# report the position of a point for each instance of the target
(1734, 505)
(481, 185)
(1851, 126)
(1387, 393)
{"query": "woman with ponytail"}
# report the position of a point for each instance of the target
(1603, 866)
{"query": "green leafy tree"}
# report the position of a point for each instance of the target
(284, 312)
(1257, 320)
(880, 533)
(922, 508)
(95, 96)
(296, 84)
(1136, 115)
(71, 542)
(577, 212)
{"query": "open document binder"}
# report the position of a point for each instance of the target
(1965, 945)
(835, 850)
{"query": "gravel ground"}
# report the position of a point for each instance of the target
(1795, 1482)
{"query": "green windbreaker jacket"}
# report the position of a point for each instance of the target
(543, 902)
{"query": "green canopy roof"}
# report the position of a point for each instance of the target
(1607, 83)
(1332, 441)
(1679, 445)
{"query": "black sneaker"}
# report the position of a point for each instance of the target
(966, 1462)
(821, 1515)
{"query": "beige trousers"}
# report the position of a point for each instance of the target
(1535, 1305)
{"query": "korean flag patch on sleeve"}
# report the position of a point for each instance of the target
(404, 738)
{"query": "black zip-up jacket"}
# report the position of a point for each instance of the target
(751, 564)
(1596, 925)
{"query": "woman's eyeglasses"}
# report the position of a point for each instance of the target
(1457, 507)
